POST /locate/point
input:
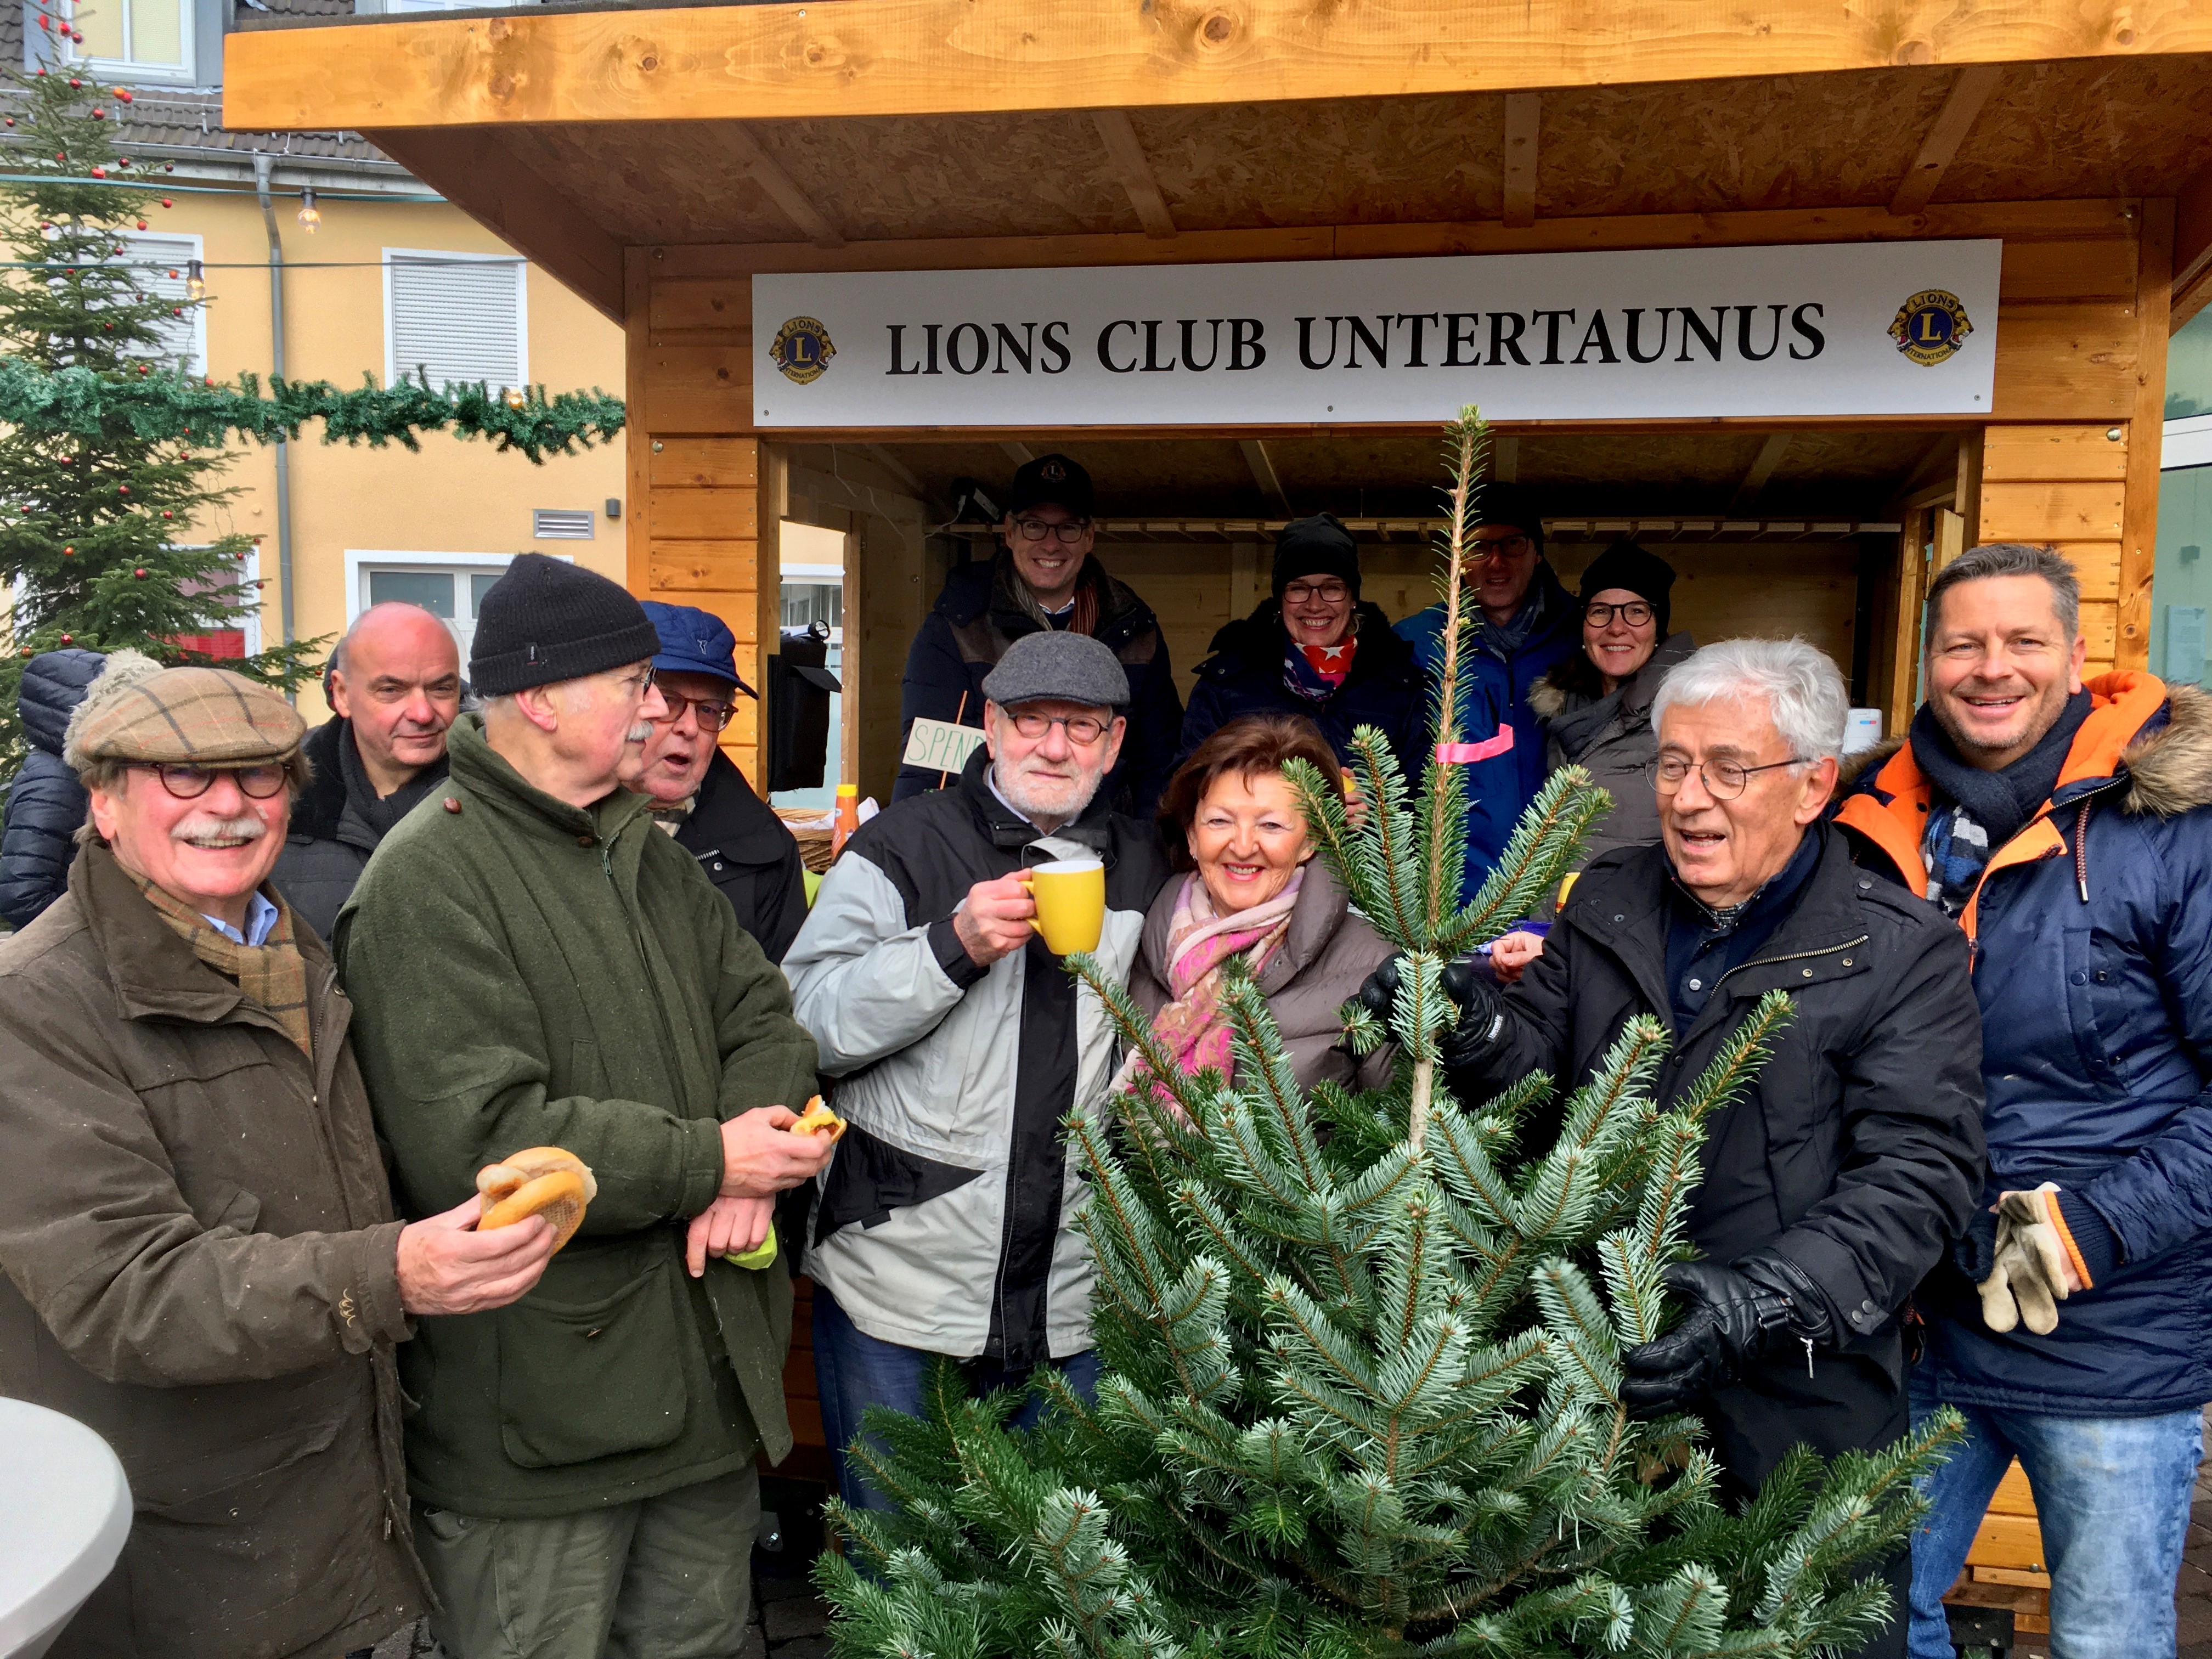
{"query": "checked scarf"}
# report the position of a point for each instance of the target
(272, 976)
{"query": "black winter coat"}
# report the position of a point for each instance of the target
(46, 803)
(978, 616)
(1244, 676)
(334, 825)
(1857, 1152)
(750, 857)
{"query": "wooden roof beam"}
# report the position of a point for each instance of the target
(520, 208)
(1127, 156)
(1953, 122)
(783, 190)
(1761, 469)
(791, 61)
(1523, 112)
(2192, 247)
(1264, 475)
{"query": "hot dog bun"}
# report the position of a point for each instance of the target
(817, 1119)
(536, 1181)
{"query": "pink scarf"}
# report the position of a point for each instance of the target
(1199, 943)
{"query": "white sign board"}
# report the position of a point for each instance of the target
(1876, 328)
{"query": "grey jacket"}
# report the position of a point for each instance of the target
(1618, 752)
(1322, 961)
(943, 1220)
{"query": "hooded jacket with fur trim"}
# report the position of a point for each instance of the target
(2091, 940)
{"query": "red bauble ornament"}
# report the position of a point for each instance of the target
(166, 201)
(99, 172)
(168, 167)
(140, 573)
(42, 72)
(66, 639)
(142, 224)
(74, 81)
(44, 22)
(123, 489)
(172, 276)
(100, 115)
(69, 552)
(166, 513)
(124, 95)
(61, 155)
(11, 120)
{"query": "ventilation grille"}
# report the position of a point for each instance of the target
(561, 524)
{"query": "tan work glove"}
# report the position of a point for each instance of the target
(2034, 1272)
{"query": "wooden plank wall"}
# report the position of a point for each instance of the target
(705, 494)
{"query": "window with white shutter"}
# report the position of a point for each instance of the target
(455, 317)
(161, 264)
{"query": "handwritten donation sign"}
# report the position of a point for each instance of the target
(940, 745)
(1878, 328)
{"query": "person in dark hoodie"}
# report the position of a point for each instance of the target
(395, 681)
(1045, 577)
(46, 803)
(1317, 649)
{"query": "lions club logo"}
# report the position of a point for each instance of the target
(802, 349)
(1930, 327)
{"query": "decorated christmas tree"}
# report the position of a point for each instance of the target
(111, 454)
(102, 532)
(1363, 1384)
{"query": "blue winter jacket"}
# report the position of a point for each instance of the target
(1494, 686)
(1386, 687)
(46, 803)
(2092, 936)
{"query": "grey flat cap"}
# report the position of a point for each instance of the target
(1064, 667)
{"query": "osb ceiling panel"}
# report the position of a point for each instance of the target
(1820, 473)
(2050, 131)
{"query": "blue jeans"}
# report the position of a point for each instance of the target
(854, 1370)
(2112, 1495)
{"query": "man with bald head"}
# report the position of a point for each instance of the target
(395, 682)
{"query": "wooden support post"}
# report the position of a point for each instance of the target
(1755, 475)
(1263, 474)
(2192, 247)
(1522, 113)
(1505, 458)
(781, 189)
(1133, 171)
(1968, 94)
(1019, 453)
(2139, 524)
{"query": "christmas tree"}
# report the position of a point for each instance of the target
(1362, 1394)
(102, 532)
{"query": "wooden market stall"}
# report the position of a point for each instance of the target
(663, 162)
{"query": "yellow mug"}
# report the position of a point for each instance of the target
(1071, 904)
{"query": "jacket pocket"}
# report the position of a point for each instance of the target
(580, 1380)
(870, 1178)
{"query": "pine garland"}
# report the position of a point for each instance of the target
(159, 406)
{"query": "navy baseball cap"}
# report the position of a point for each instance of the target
(695, 641)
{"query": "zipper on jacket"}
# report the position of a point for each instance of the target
(1792, 956)
(1808, 1341)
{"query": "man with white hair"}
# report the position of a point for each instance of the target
(1838, 1175)
(946, 1224)
(536, 965)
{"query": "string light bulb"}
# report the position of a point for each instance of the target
(310, 215)
(514, 398)
(195, 280)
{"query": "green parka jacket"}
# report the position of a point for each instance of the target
(202, 1266)
(528, 973)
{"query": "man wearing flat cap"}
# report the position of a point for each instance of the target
(202, 1260)
(945, 1222)
(536, 965)
(1046, 579)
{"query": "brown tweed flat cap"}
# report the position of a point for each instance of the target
(189, 716)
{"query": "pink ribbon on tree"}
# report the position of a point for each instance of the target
(1462, 754)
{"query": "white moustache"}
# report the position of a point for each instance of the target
(639, 733)
(210, 832)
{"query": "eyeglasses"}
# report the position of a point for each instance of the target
(1505, 547)
(640, 682)
(1325, 592)
(1082, 730)
(1635, 613)
(190, 782)
(712, 716)
(1036, 530)
(1724, 780)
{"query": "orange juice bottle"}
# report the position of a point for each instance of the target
(849, 817)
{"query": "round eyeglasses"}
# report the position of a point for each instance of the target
(712, 716)
(1635, 613)
(1036, 530)
(1082, 730)
(190, 782)
(1724, 780)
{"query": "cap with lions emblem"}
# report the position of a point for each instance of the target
(183, 717)
(1051, 481)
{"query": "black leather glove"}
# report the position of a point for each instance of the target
(1732, 1316)
(1470, 992)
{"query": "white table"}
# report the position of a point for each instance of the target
(63, 1523)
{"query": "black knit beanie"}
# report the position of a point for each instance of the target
(548, 620)
(1506, 503)
(1319, 546)
(1626, 565)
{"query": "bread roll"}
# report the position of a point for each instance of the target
(817, 1119)
(536, 1181)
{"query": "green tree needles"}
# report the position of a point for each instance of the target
(1361, 1398)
